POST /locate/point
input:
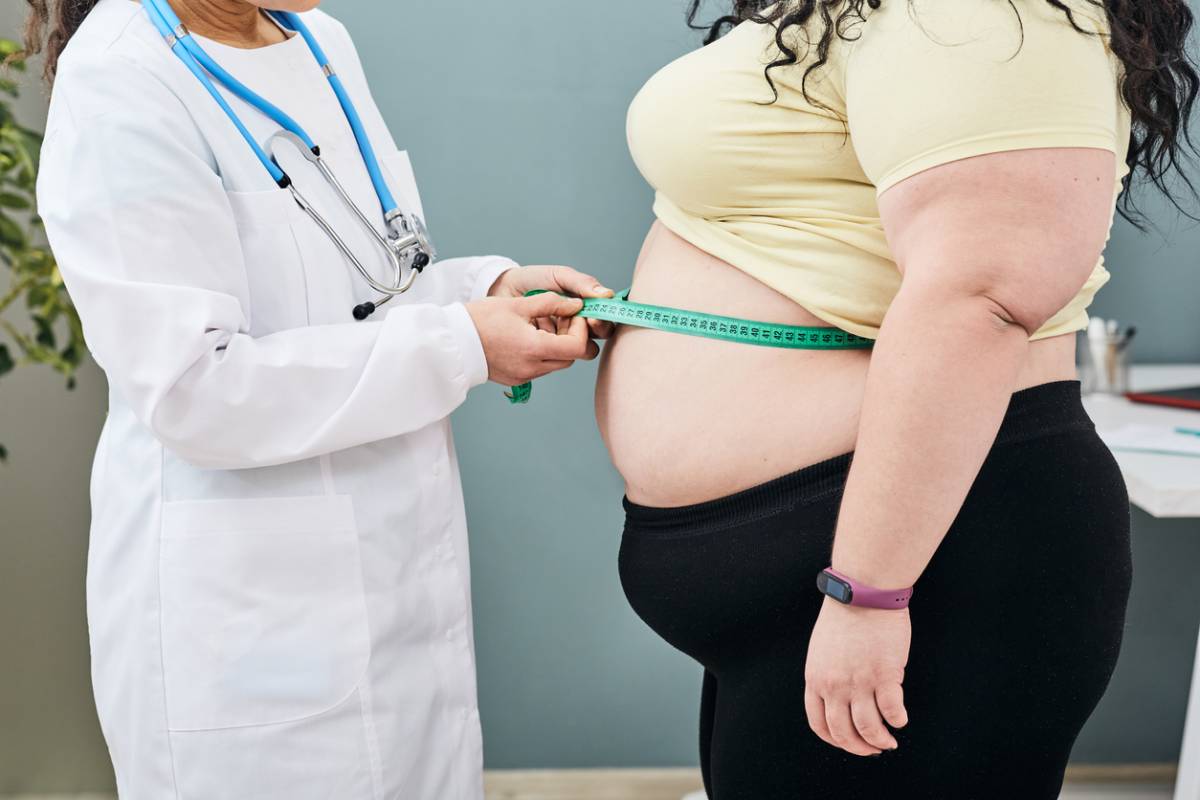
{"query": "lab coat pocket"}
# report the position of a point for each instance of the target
(263, 610)
(275, 269)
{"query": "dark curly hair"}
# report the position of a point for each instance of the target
(1150, 37)
(50, 25)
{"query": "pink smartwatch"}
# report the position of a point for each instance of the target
(846, 590)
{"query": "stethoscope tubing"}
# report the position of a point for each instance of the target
(201, 65)
(386, 201)
(401, 285)
(175, 42)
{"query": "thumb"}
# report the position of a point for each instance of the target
(577, 283)
(549, 304)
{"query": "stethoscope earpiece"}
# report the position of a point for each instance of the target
(420, 261)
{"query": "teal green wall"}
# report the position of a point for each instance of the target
(521, 150)
(514, 113)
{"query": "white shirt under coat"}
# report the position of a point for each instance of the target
(278, 584)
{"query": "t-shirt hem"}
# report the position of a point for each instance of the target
(676, 223)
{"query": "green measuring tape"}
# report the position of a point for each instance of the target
(620, 310)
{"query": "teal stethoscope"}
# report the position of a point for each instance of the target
(407, 244)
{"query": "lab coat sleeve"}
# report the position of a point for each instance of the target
(147, 243)
(457, 279)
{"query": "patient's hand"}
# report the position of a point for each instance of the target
(563, 280)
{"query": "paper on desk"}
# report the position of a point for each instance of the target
(1151, 439)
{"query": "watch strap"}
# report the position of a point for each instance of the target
(865, 596)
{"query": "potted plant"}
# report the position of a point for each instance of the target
(38, 323)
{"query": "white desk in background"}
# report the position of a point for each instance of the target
(1162, 486)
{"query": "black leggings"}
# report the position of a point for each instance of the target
(1016, 621)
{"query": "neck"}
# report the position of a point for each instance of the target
(232, 22)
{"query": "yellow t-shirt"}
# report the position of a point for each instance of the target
(780, 192)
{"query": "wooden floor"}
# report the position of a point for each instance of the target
(1140, 782)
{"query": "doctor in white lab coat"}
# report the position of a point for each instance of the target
(278, 584)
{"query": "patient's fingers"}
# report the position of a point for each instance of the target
(841, 726)
(890, 699)
(869, 724)
(814, 709)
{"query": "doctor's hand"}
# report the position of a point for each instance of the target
(517, 350)
(854, 676)
(563, 280)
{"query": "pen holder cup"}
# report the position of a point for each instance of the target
(1104, 364)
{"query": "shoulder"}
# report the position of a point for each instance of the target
(935, 81)
(116, 61)
(984, 28)
(1023, 46)
(119, 85)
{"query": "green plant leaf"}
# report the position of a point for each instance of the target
(13, 200)
(36, 297)
(39, 324)
(45, 332)
(11, 234)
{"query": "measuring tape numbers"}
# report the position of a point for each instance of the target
(621, 311)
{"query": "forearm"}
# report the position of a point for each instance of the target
(941, 374)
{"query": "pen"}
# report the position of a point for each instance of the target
(1129, 332)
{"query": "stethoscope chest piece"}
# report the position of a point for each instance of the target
(409, 238)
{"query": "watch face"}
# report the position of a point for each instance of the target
(837, 589)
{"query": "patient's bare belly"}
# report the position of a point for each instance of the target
(688, 419)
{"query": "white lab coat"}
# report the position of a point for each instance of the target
(278, 586)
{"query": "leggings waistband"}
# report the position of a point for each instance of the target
(1033, 411)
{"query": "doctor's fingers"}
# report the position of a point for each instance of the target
(549, 305)
(591, 349)
(572, 281)
(569, 347)
(573, 343)
(597, 328)
(546, 367)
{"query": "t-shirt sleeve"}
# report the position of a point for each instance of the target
(933, 81)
